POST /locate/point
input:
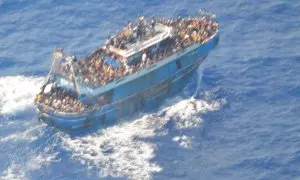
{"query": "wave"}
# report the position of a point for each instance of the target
(17, 93)
(118, 151)
(30, 134)
(26, 153)
(122, 150)
(20, 171)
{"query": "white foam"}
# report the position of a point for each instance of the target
(17, 93)
(13, 171)
(187, 112)
(32, 159)
(6, 123)
(20, 171)
(117, 151)
(37, 161)
(183, 141)
(121, 151)
(32, 133)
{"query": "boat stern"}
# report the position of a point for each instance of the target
(68, 121)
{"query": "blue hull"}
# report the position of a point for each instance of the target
(143, 90)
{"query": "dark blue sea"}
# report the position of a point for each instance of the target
(237, 118)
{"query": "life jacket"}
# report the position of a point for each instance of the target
(97, 64)
(38, 98)
(111, 71)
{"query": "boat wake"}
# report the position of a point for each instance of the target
(20, 171)
(17, 93)
(123, 150)
(18, 139)
(28, 149)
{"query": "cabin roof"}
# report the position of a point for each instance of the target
(163, 33)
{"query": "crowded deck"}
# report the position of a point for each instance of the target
(106, 65)
(62, 101)
(128, 52)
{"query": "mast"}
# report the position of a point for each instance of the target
(70, 60)
(56, 55)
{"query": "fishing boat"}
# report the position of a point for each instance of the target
(134, 70)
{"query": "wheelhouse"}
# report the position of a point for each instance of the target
(133, 52)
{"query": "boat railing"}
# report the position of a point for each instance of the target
(87, 111)
(211, 37)
(45, 107)
(152, 66)
(120, 79)
(48, 108)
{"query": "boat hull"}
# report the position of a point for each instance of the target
(143, 93)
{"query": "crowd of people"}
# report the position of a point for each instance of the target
(129, 35)
(61, 100)
(191, 30)
(95, 71)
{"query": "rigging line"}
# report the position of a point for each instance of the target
(52, 66)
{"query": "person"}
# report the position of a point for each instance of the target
(128, 70)
(97, 64)
(140, 32)
(129, 37)
(129, 26)
(153, 23)
(148, 62)
(38, 98)
(114, 41)
(195, 36)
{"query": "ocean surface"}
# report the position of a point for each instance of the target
(237, 118)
